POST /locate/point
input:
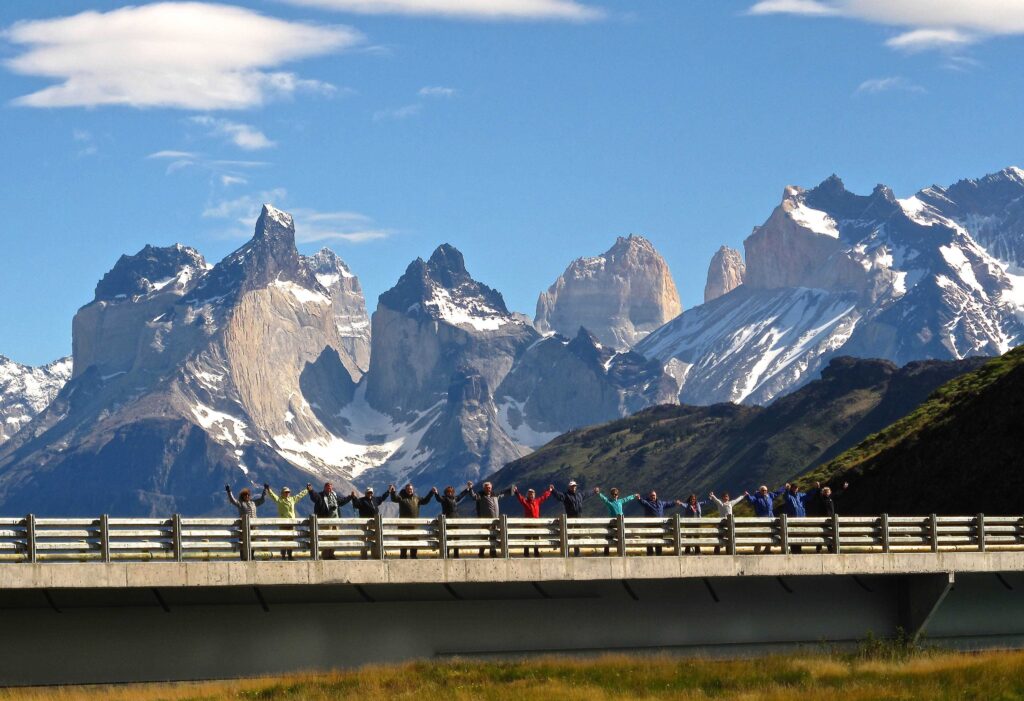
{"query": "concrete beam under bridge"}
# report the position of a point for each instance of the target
(238, 619)
(280, 573)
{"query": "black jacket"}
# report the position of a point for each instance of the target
(450, 505)
(409, 504)
(573, 502)
(328, 505)
(368, 507)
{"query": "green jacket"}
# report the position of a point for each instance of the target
(286, 505)
(614, 505)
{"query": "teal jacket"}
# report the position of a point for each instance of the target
(615, 505)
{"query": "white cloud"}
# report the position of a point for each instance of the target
(173, 154)
(188, 55)
(466, 9)
(792, 7)
(877, 85)
(927, 24)
(926, 39)
(437, 91)
(311, 226)
(403, 112)
(244, 136)
(229, 180)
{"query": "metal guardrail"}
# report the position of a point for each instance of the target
(178, 539)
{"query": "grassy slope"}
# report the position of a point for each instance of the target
(959, 452)
(679, 449)
(810, 678)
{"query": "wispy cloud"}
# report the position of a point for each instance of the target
(929, 39)
(947, 25)
(403, 112)
(879, 85)
(244, 136)
(311, 225)
(491, 10)
(86, 143)
(229, 180)
(182, 160)
(437, 91)
(188, 55)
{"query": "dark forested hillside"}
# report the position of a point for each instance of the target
(683, 449)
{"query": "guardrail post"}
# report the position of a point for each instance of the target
(246, 543)
(314, 537)
(677, 533)
(30, 537)
(620, 527)
(503, 535)
(104, 538)
(885, 533)
(563, 535)
(731, 534)
(784, 533)
(981, 532)
(177, 546)
(836, 549)
(934, 528)
(378, 528)
(442, 537)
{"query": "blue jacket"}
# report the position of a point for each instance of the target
(795, 505)
(656, 508)
(573, 502)
(694, 512)
(763, 504)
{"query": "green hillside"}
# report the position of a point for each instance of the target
(728, 447)
(960, 452)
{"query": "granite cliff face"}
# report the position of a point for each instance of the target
(25, 391)
(188, 377)
(619, 297)
(725, 273)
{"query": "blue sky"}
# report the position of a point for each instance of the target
(526, 138)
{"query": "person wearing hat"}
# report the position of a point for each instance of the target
(327, 504)
(285, 509)
(572, 499)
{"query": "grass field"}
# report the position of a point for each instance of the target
(994, 676)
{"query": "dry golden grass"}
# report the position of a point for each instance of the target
(994, 676)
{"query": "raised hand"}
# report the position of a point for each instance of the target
(845, 485)
(469, 485)
(433, 490)
(711, 494)
(597, 490)
(309, 486)
(636, 496)
(266, 485)
(515, 489)
(679, 502)
(551, 487)
(227, 488)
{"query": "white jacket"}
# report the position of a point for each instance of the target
(725, 507)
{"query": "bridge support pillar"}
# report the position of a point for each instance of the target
(920, 596)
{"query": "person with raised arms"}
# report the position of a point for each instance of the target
(614, 504)
(655, 508)
(531, 509)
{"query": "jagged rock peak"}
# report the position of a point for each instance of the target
(725, 273)
(620, 296)
(442, 289)
(273, 223)
(269, 256)
(152, 268)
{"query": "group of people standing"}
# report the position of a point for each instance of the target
(327, 503)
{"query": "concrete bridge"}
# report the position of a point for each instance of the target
(75, 606)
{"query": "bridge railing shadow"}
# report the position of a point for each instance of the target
(31, 539)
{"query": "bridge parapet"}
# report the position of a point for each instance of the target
(178, 539)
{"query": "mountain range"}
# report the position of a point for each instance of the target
(267, 366)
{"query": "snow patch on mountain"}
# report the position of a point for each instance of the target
(25, 391)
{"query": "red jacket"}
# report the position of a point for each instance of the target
(531, 509)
